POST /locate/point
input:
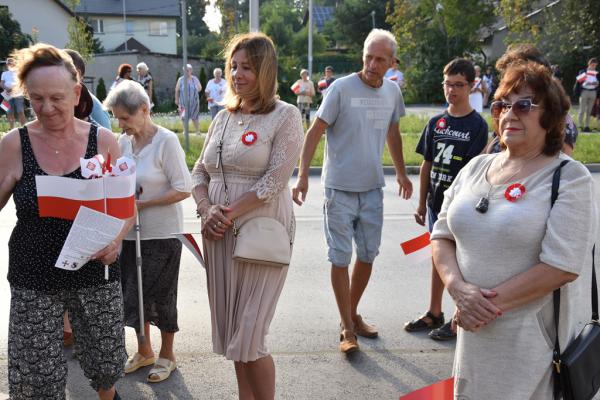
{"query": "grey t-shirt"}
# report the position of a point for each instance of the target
(359, 117)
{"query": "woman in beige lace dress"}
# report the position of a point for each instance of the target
(261, 141)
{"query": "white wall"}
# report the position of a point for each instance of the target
(114, 33)
(47, 17)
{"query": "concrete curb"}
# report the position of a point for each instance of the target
(414, 170)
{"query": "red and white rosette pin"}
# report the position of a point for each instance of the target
(514, 192)
(249, 138)
(441, 123)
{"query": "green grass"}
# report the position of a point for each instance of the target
(587, 149)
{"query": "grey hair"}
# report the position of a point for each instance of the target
(129, 95)
(217, 70)
(143, 66)
(377, 35)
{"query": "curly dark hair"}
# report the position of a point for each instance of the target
(547, 92)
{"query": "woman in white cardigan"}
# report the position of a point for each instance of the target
(163, 180)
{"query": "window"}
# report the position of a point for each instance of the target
(158, 28)
(129, 27)
(97, 25)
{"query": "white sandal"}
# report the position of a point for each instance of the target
(136, 362)
(162, 370)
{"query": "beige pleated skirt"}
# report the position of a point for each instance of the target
(242, 296)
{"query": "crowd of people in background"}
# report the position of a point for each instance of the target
(467, 183)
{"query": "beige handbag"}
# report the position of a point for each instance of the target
(262, 240)
(259, 240)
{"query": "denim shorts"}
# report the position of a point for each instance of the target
(17, 105)
(353, 215)
(431, 218)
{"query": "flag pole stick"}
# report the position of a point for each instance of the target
(106, 272)
(138, 262)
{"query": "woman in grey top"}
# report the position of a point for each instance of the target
(501, 249)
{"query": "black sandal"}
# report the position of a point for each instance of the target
(425, 322)
(444, 333)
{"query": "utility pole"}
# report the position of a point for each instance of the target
(373, 18)
(186, 97)
(254, 23)
(125, 23)
(310, 37)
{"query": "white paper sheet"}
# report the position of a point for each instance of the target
(91, 232)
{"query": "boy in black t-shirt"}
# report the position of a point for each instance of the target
(448, 142)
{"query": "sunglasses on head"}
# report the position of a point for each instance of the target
(519, 107)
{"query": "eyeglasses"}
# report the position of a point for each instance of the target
(457, 85)
(519, 107)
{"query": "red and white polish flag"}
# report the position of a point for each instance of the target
(322, 84)
(192, 245)
(296, 87)
(5, 105)
(442, 390)
(61, 197)
(417, 249)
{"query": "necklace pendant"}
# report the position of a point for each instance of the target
(482, 205)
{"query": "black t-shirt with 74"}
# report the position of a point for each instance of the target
(449, 143)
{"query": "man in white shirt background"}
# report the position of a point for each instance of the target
(395, 75)
(215, 90)
(14, 97)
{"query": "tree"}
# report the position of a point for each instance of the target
(431, 33)
(352, 21)
(101, 90)
(567, 32)
(520, 27)
(198, 31)
(10, 32)
(80, 34)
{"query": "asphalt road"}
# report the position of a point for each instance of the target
(304, 334)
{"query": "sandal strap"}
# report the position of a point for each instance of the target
(163, 363)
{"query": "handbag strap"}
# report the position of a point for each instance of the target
(556, 293)
(220, 166)
(220, 158)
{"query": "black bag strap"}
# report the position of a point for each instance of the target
(556, 293)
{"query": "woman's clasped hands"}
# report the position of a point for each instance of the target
(474, 307)
(214, 221)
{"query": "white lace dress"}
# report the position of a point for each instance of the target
(243, 296)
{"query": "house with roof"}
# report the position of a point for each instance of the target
(148, 26)
(51, 28)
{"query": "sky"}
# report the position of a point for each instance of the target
(212, 17)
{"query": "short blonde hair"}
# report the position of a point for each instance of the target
(262, 58)
(143, 66)
(41, 55)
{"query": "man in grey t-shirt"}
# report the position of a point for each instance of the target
(359, 113)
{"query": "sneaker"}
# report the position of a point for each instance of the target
(443, 333)
(361, 328)
(348, 342)
(587, 129)
(425, 322)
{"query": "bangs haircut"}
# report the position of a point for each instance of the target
(461, 66)
(41, 55)
(547, 92)
(262, 59)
